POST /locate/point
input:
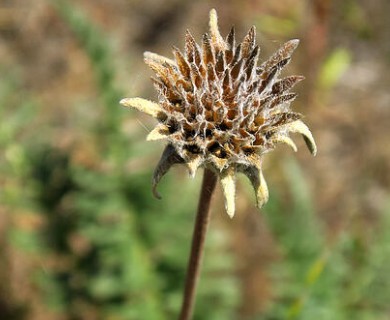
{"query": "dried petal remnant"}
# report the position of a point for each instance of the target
(229, 190)
(149, 107)
(218, 109)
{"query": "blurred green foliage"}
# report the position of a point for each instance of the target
(319, 278)
(332, 69)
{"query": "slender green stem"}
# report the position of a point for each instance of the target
(198, 239)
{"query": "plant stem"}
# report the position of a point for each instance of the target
(198, 239)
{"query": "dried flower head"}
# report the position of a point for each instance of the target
(218, 109)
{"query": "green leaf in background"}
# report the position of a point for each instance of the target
(277, 26)
(333, 68)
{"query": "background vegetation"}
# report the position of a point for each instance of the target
(81, 236)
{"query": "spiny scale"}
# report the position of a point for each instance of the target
(212, 86)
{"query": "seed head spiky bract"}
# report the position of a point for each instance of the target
(220, 109)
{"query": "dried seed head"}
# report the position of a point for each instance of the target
(218, 109)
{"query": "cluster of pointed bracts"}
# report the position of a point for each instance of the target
(217, 108)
